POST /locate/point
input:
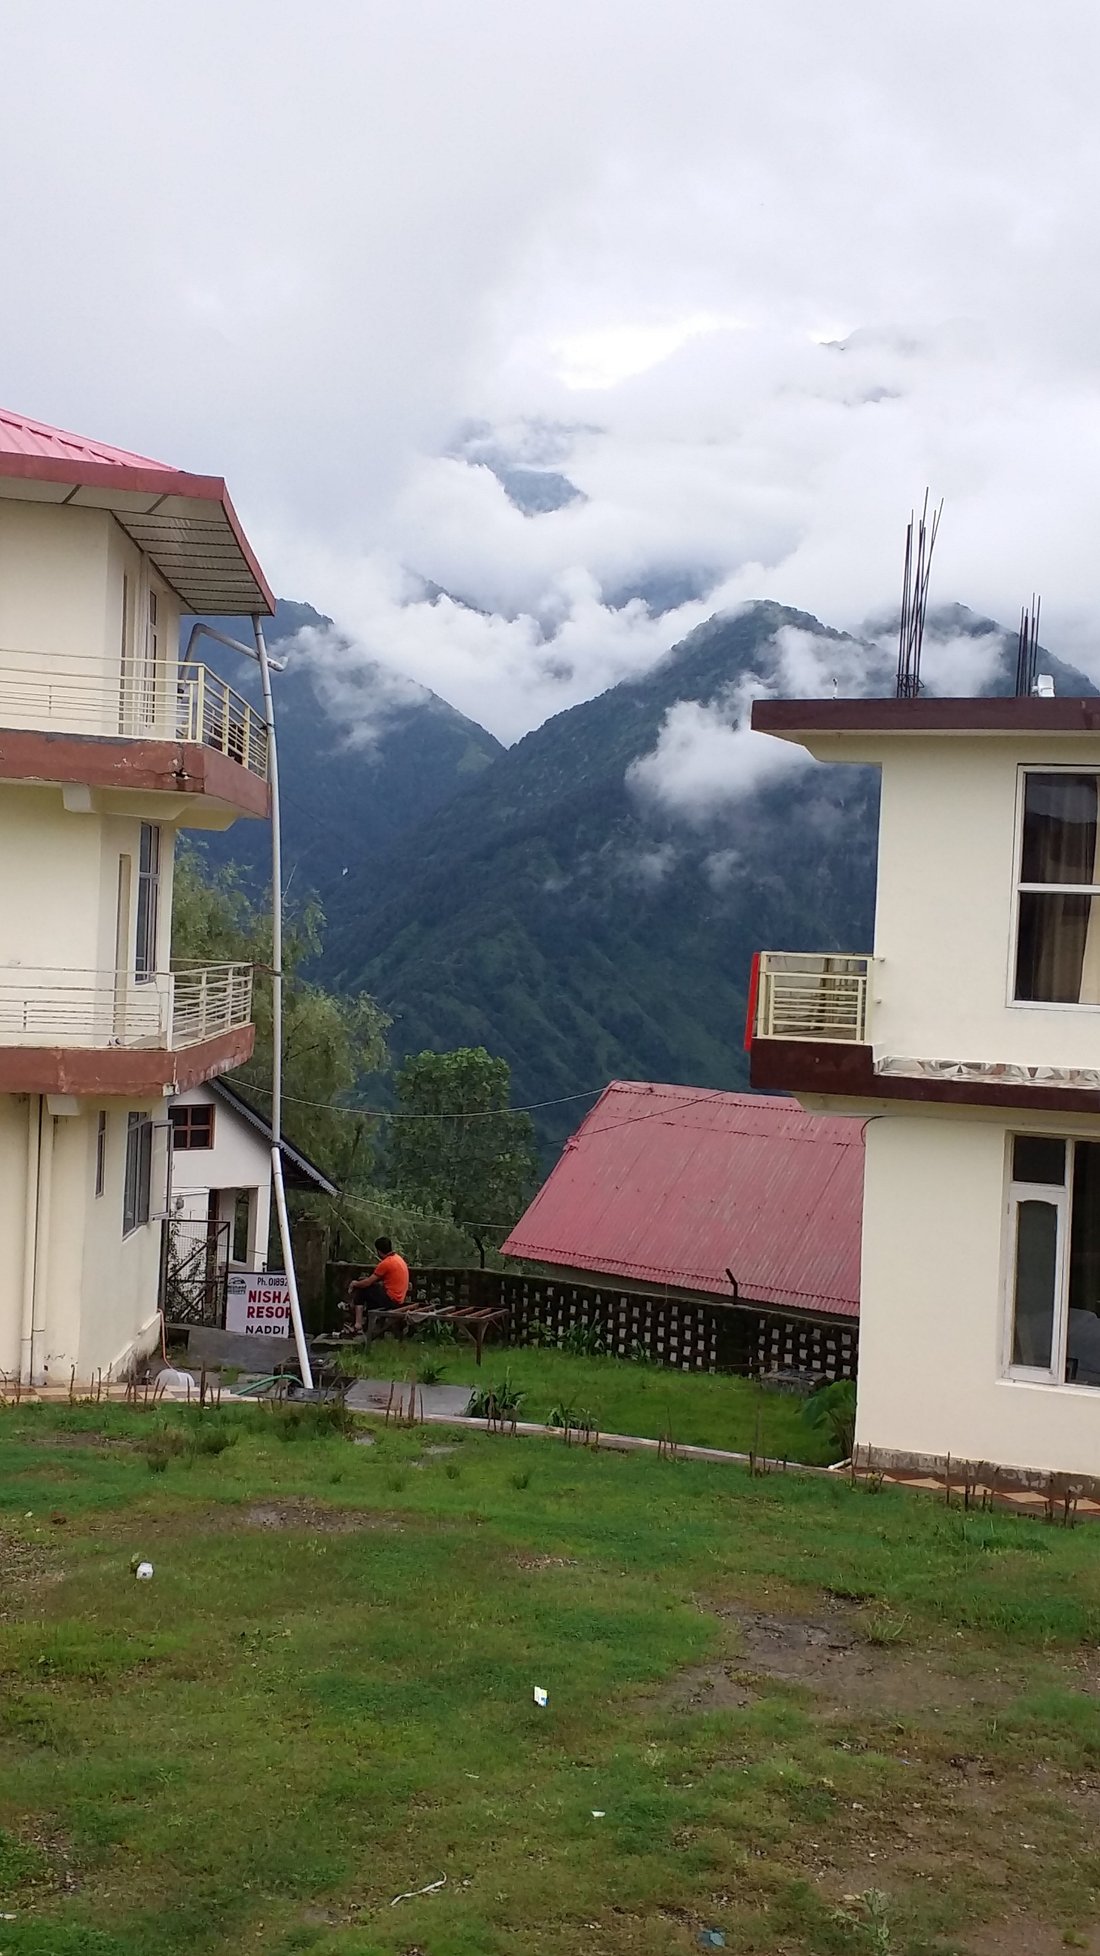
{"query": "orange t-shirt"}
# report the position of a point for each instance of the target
(393, 1274)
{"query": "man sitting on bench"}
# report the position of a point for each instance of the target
(385, 1289)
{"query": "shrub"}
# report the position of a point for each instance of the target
(585, 1341)
(832, 1410)
(429, 1372)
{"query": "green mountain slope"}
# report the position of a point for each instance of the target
(553, 913)
(361, 758)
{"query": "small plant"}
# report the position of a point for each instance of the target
(571, 1417)
(429, 1372)
(498, 1403)
(585, 1341)
(521, 1480)
(395, 1482)
(641, 1355)
(869, 1915)
(212, 1440)
(831, 1410)
(437, 1331)
(539, 1334)
(452, 1470)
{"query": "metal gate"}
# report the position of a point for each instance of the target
(196, 1270)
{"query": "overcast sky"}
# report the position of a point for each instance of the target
(301, 247)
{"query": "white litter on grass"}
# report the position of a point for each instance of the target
(169, 1380)
(598, 1813)
(144, 1572)
(414, 1892)
(542, 1696)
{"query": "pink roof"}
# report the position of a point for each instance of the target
(185, 523)
(675, 1185)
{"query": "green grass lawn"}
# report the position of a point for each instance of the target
(819, 1720)
(698, 1408)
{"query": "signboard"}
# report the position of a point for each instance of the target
(258, 1304)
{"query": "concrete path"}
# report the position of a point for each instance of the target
(434, 1402)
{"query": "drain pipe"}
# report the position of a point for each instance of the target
(277, 1011)
(30, 1236)
(46, 1127)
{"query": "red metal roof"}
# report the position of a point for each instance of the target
(185, 523)
(675, 1185)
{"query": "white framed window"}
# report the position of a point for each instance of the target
(138, 1181)
(1053, 1261)
(1057, 933)
(148, 903)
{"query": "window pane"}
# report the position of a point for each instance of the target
(1036, 1276)
(1060, 829)
(145, 961)
(1083, 1341)
(1039, 1158)
(1058, 949)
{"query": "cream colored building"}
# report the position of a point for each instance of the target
(969, 1044)
(219, 1207)
(107, 749)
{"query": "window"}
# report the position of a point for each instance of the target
(148, 894)
(192, 1127)
(139, 1172)
(1058, 927)
(1054, 1217)
(101, 1154)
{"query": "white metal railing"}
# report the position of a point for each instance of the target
(210, 999)
(40, 1006)
(82, 693)
(812, 995)
(212, 713)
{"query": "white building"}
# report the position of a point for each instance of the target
(107, 749)
(969, 1042)
(219, 1206)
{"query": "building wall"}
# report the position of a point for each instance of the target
(933, 1316)
(239, 1160)
(64, 574)
(945, 919)
(94, 1292)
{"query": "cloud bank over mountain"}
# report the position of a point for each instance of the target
(492, 316)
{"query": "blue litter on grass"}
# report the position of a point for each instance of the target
(711, 1939)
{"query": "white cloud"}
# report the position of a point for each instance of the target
(659, 217)
(707, 755)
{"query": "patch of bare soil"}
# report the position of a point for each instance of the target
(707, 1688)
(529, 1562)
(1024, 1935)
(830, 1656)
(314, 1519)
(24, 1566)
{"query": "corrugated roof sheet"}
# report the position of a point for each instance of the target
(21, 436)
(675, 1185)
(185, 523)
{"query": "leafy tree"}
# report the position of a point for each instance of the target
(329, 1043)
(456, 1148)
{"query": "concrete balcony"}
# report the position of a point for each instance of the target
(88, 1032)
(73, 717)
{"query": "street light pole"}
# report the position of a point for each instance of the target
(277, 1010)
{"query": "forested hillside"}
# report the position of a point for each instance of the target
(557, 915)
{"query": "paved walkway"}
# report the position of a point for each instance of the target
(433, 1402)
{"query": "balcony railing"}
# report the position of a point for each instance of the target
(136, 699)
(44, 1007)
(812, 995)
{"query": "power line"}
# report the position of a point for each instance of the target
(389, 1113)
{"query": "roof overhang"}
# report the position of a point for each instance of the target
(185, 524)
(862, 730)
